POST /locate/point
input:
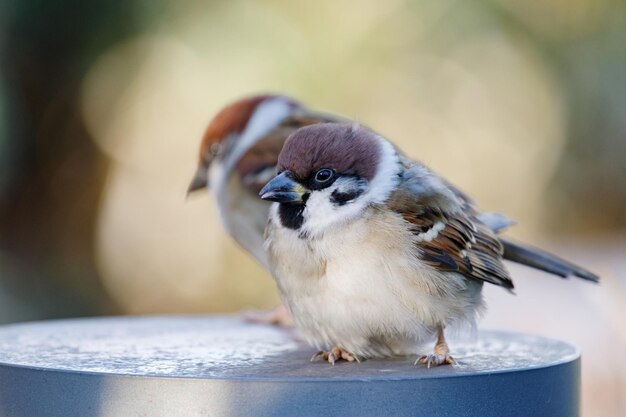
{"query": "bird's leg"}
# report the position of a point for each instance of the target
(278, 317)
(334, 355)
(440, 355)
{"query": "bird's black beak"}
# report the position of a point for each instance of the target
(283, 189)
(199, 181)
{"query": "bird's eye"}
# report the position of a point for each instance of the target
(324, 175)
(215, 148)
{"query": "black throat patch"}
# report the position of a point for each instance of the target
(291, 215)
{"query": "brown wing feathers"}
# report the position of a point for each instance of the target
(458, 242)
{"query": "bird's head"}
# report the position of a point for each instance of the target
(329, 173)
(237, 128)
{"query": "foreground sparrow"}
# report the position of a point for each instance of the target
(373, 253)
(238, 155)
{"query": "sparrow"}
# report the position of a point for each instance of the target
(238, 155)
(375, 254)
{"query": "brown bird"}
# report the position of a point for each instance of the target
(238, 155)
(374, 253)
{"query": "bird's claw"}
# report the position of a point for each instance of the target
(435, 360)
(334, 355)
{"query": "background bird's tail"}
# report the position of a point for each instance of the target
(537, 258)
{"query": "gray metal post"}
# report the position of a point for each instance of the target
(220, 366)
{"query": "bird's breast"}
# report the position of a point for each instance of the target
(360, 285)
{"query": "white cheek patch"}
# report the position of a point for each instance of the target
(217, 183)
(267, 115)
(321, 213)
(215, 174)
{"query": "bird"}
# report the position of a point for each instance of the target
(237, 156)
(374, 254)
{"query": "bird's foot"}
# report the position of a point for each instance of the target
(277, 317)
(334, 355)
(435, 360)
(440, 356)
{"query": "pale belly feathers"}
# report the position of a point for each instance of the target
(362, 287)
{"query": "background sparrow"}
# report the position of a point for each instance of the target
(374, 253)
(238, 155)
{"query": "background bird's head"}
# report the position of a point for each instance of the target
(329, 173)
(235, 129)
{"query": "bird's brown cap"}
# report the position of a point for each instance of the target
(348, 149)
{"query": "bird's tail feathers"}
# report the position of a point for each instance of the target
(539, 259)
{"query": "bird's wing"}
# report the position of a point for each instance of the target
(519, 252)
(448, 232)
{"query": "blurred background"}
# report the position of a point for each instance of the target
(103, 103)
